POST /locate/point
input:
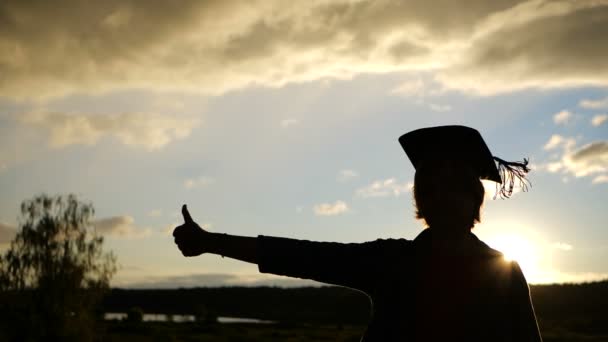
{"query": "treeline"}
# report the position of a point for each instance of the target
(580, 306)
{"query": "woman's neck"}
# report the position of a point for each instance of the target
(450, 231)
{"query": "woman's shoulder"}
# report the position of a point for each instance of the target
(391, 243)
(485, 250)
(389, 249)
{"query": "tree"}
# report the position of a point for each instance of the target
(55, 272)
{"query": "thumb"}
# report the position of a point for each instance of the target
(186, 214)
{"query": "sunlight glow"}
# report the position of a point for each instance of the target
(518, 248)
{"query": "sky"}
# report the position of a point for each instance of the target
(282, 118)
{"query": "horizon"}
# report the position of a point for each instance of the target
(314, 285)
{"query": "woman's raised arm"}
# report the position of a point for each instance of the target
(356, 265)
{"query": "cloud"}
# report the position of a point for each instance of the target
(600, 179)
(155, 213)
(599, 120)
(7, 233)
(534, 44)
(562, 118)
(120, 227)
(116, 226)
(210, 46)
(557, 140)
(168, 229)
(439, 107)
(199, 182)
(553, 142)
(346, 175)
(562, 246)
(217, 46)
(330, 209)
(594, 104)
(587, 160)
(150, 131)
(289, 122)
(384, 188)
(411, 88)
(421, 90)
(555, 167)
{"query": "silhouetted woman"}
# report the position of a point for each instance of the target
(445, 285)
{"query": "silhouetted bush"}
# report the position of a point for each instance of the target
(54, 273)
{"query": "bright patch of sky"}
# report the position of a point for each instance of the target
(245, 173)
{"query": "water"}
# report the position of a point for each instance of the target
(243, 320)
(151, 317)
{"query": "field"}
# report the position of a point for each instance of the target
(119, 332)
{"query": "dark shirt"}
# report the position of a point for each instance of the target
(428, 289)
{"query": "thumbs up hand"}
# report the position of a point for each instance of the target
(190, 237)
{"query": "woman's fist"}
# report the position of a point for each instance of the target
(190, 237)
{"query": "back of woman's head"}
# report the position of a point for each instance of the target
(448, 193)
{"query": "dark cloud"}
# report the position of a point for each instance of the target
(589, 153)
(544, 44)
(215, 46)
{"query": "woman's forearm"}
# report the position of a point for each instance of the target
(242, 248)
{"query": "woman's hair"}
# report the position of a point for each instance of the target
(448, 193)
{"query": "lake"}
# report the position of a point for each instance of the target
(151, 317)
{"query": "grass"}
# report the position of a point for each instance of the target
(165, 331)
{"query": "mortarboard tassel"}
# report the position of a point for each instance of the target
(509, 173)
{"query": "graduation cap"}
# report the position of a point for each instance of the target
(466, 145)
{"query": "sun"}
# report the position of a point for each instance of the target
(517, 248)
